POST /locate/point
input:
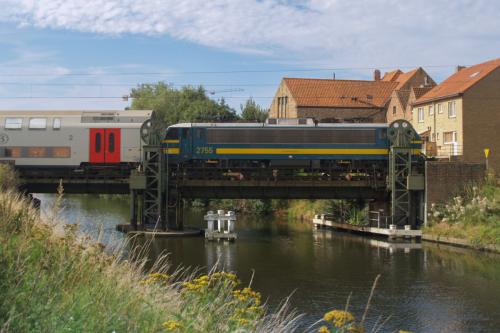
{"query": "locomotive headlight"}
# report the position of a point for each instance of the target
(405, 124)
(396, 125)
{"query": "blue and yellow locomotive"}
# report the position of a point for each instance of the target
(298, 143)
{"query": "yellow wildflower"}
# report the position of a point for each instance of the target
(323, 329)
(172, 325)
(339, 318)
(243, 321)
(156, 278)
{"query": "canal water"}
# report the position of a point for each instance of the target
(423, 287)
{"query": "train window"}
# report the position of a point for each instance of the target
(185, 133)
(37, 123)
(37, 152)
(13, 123)
(61, 152)
(56, 123)
(111, 143)
(14, 152)
(383, 134)
(173, 134)
(98, 143)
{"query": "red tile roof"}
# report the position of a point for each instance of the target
(340, 93)
(404, 77)
(420, 91)
(392, 76)
(459, 82)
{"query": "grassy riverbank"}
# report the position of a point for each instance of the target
(52, 279)
(473, 216)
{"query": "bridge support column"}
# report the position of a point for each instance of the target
(406, 175)
(133, 209)
(174, 211)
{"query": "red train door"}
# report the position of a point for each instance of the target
(112, 153)
(104, 145)
(96, 145)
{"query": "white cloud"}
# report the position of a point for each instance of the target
(314, 32)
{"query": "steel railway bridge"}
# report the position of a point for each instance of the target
(157, 190)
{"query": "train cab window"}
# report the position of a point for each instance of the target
(185, 132)
(13, 123)
(111, 143)
(173, 134)
(56, 124)
(37, 123)
(98, 142)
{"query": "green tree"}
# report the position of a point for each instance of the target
(251, 111)
(188, 104)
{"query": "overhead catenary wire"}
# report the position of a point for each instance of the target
(363, 99)
(238, 71)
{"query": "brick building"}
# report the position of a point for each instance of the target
(411, 86)
(332, 100)
(460, 117)
(360, 101)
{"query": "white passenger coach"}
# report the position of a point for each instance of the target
(69, 139)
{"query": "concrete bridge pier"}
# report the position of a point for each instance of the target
(174, 211)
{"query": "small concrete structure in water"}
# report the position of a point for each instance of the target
(392, 232)
(220, 225)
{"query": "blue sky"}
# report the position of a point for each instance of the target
(237, 49)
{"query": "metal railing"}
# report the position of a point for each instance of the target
(448, 150)
(377, 219)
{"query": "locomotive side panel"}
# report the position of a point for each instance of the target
(289, 143)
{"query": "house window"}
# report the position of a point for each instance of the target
(394, 110)
(439, 108)
(437, 136)
(56, 124)
(450, 137)
(285, 106)
(420, 115)
(431, 110)
(13, 123)
(452, 112)
(37, 123)
(280, 107)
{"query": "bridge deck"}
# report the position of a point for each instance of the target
(285, 189)
(47, 181)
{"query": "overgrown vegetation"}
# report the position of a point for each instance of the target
(474, 215)
(52, 279)
(346, 211)
(191, 104)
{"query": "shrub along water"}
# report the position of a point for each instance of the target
(474, 215)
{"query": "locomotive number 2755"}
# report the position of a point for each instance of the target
(204, 150)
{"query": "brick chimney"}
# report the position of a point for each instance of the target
(459, 68)
(376, 75)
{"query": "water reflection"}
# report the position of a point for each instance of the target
(424, 287)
